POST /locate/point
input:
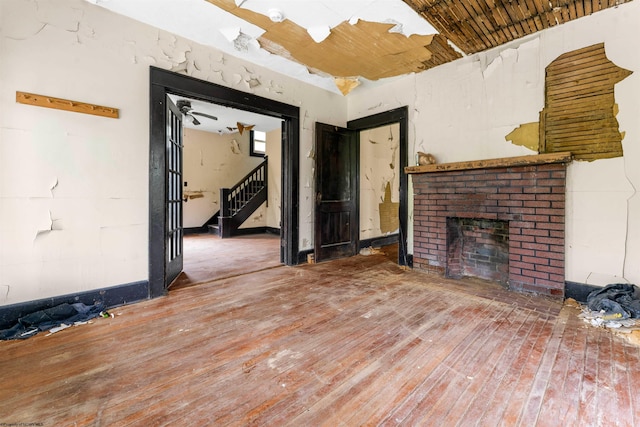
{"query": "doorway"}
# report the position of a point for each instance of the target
(163, 83)
(341, 239)
(401, 117)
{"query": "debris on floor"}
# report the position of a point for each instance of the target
(54, 319)
(370, 251)
(615, 307)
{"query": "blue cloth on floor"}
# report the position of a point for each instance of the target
(621, 299)
(42, 320)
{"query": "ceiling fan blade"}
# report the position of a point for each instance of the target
(205, 115)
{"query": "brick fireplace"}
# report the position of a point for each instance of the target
(498, 219)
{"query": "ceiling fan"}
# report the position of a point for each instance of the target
(185, 108)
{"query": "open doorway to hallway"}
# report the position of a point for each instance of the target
(163, 83)
(219, 152)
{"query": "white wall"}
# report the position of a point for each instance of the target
(463, 110)
(74, 187)
(274, 170)
(379, 165)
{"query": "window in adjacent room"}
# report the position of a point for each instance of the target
(258, 143)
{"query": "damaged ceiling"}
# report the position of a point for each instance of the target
(338, 45)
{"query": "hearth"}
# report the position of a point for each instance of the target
(498, 219)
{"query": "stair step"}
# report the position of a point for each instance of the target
(213, 229)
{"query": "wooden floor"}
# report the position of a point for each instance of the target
(208, 257)
(344, 343)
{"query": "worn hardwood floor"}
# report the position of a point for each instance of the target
(352, 342)
(208, 257)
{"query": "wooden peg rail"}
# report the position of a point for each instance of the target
(65, 104)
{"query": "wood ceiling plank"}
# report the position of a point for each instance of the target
(520, 16)
(495, 15)
(482, 27)
(525, 9)
(486, 27)
(462, 34)
(509, 15)
(533, 12)
(546, 17)
(572, 11)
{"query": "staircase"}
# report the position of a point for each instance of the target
(239, 202)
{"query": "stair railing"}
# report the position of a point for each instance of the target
(235, 198)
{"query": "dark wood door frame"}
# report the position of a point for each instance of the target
(400, 116)
(162, 83)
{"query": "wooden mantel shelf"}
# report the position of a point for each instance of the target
(505, 162)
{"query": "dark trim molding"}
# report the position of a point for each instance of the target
(377, 242)
(303, 254)
(400, 116)
(252, 230)
(578, 291)
(163, 82)
(111, 297)
(196, 230)
(272, 230)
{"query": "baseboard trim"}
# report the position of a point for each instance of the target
(272, 230)
(578, 291)
(195, 230)
(377, 242)
(409, 260)
(111, 297)
(249, 230)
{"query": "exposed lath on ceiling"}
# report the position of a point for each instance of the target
(477, 25)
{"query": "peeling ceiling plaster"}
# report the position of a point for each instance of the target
(396, 47)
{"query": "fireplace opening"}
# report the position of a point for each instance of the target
(478, 248)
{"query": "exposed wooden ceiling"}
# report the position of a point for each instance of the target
(477, 25)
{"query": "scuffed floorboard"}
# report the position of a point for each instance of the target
(344, 343)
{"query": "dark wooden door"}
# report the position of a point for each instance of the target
(173, 201)
(336, 209)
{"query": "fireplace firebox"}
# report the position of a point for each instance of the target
(478, 248)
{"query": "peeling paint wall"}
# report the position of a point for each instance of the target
(274, 198)
(74, 187)
(379, 167)
(462, 111)
(210, 162)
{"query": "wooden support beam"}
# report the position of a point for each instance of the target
(65, 104)
(504, 162)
